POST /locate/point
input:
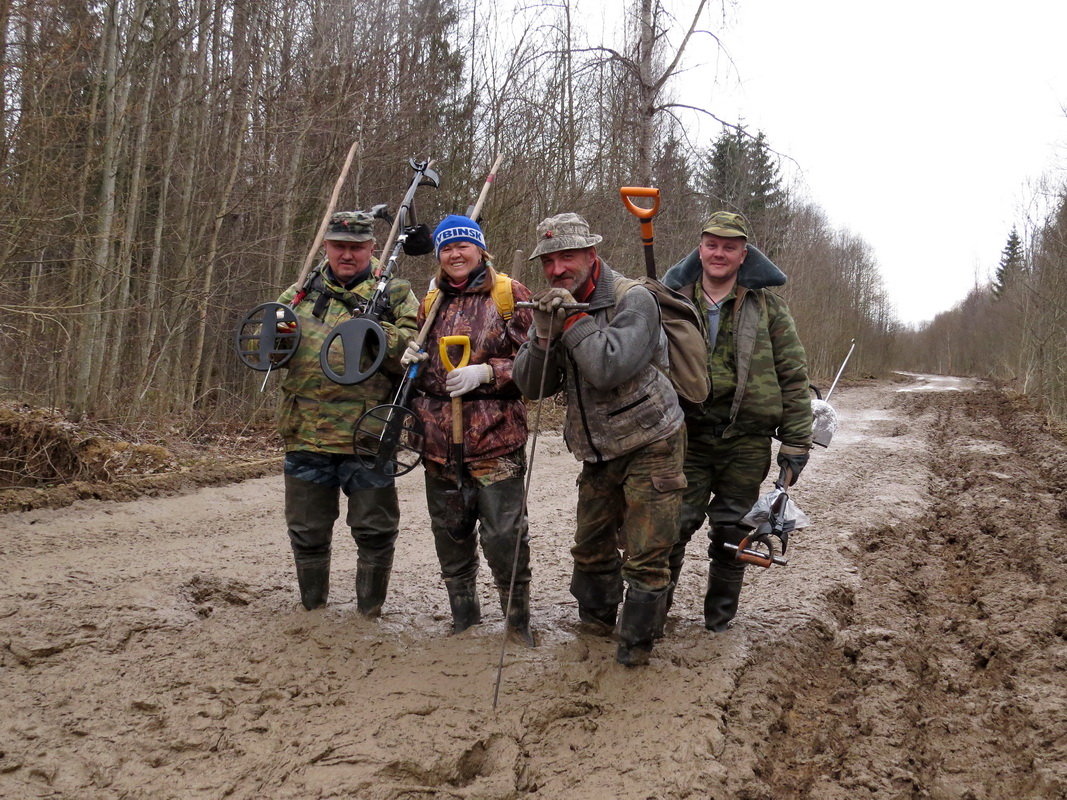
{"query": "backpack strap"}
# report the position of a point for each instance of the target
(502, 293)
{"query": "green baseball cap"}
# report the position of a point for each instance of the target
(725, 223)
(350, 226)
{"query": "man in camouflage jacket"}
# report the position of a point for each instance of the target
(623, 422)
(316, 419)
(759, 390)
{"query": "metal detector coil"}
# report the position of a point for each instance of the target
(389, 440)
(362, 350)
(267, 337)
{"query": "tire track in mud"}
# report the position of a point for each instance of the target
(943, 673)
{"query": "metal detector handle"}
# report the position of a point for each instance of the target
(742, 552)
(645, 215)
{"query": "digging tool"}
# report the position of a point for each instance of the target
(457, 402)
(824, 417)
(362, 338)
(645, 215)
(264, 347)
(757, 547)
(461, 502)
(474, 210)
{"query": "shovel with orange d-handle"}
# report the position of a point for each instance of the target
(645, 215)
(457, 402)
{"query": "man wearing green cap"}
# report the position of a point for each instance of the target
(623, 422)
(317, 416)
(759, 390)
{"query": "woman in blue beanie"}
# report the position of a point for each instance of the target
(478, 302)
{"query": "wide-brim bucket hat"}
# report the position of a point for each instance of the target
(567, 231)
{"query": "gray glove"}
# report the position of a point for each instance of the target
(466, 379)
(548, 314)
(412, 354)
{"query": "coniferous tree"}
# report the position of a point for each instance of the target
(1012, 264)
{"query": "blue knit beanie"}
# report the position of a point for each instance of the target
(455, 228)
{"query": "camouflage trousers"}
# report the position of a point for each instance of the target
(724, 477)
(491, 502)
(313, 483)
(628, 514)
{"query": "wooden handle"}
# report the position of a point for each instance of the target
(326, 218)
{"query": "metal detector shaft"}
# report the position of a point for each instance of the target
(834, 384)
(564, 306)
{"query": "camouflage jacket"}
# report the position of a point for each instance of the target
(494, 414)
(617, 398)
(763, 392)
(315, 413)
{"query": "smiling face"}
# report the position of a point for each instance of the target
(569, 269)
(458, 259)
(348, 259)
(721, 257)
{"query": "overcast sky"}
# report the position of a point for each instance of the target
(922, 127)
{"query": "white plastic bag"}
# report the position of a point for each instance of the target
(760, 515)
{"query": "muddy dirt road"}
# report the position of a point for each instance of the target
(916, 647)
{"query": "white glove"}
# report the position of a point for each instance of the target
(466, 379)
(547, 314)
(412, 354)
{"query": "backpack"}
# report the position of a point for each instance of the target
(687, 350)
(502, 293)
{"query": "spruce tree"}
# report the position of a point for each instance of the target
(1012, 263)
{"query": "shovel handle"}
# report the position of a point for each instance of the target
(645, 215)
(457, 340)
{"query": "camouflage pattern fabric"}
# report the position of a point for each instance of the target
(724, 477)
(501, 518)
(631, 504)
(315, 413)
(776, 399)
(494, 414)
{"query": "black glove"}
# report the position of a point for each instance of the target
(419, 240)
(792, 457)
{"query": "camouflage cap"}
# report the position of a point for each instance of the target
(725, 223)
(565, 231)
(350, 226)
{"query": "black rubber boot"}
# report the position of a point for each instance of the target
(519, 613)
(640, 613)
(463, 599)
(598, 596)
(372, 582)
(724, 592)
(314, 582)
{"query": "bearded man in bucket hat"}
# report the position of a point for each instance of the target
(623, 422)
(759, 391)
(317, 416)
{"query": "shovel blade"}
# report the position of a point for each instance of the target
(460, 512)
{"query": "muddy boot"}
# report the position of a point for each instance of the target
(724, 591)
(372, 581)
(598, 597)
(519, 614)
(640, 613)
(668, 602)
(463, 599)
(314, 582)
